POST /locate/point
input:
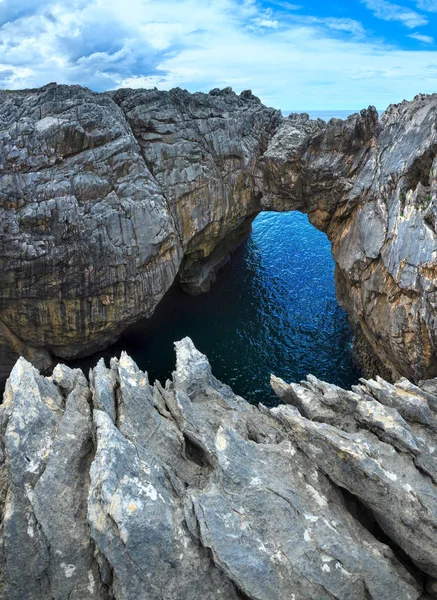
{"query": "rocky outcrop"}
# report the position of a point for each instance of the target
(106, 198)
(371, 186)
(204, 151)
(123, 490)
(101, 206)
(87, 243)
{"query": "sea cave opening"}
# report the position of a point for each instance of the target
(272, 309)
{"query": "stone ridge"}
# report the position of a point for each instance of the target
(122, 490)
(106, 199)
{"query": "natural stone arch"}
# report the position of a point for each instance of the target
(112, 195)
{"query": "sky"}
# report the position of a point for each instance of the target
(306, 55)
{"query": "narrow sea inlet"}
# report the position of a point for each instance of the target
(273, 309)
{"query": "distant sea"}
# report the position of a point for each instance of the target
(326, 114)
(323, 114)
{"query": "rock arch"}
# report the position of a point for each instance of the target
(106, 198)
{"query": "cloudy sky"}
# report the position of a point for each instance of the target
(308, 55)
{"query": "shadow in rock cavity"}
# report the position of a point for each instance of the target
(273, 309)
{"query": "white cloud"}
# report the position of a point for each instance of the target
(347, 25)
(265, 19)
(270, 23)
(428, 5)
(286, 5)
(289, 61)
(387, 11)
(426, 39)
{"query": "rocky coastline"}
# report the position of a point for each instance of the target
(119, 490)
(115, 489)
(107, 199)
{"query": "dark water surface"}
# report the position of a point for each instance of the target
(272, 309)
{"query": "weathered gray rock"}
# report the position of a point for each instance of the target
(190, 492)
(203, 150)
(371, 187)
(87, 244)
(94, 222)
(46, 548)
(390, 291)
(378, 442)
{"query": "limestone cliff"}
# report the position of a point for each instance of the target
(119, 490)
(204, 151)
(87, 242)
(106, 198)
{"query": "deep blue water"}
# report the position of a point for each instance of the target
(272, 309)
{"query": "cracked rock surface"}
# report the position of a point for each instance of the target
(118, 489)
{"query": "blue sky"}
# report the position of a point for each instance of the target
(303, 55)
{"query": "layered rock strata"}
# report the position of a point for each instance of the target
(106, 198)
(204, 151)
(122, 490)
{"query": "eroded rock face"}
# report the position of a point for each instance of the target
(106, 198)
(125, 490)
(102, 205)
(87, 243)
(387, 252)
(203, 150)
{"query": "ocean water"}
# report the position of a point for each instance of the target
(273, 309)
(324, 114)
